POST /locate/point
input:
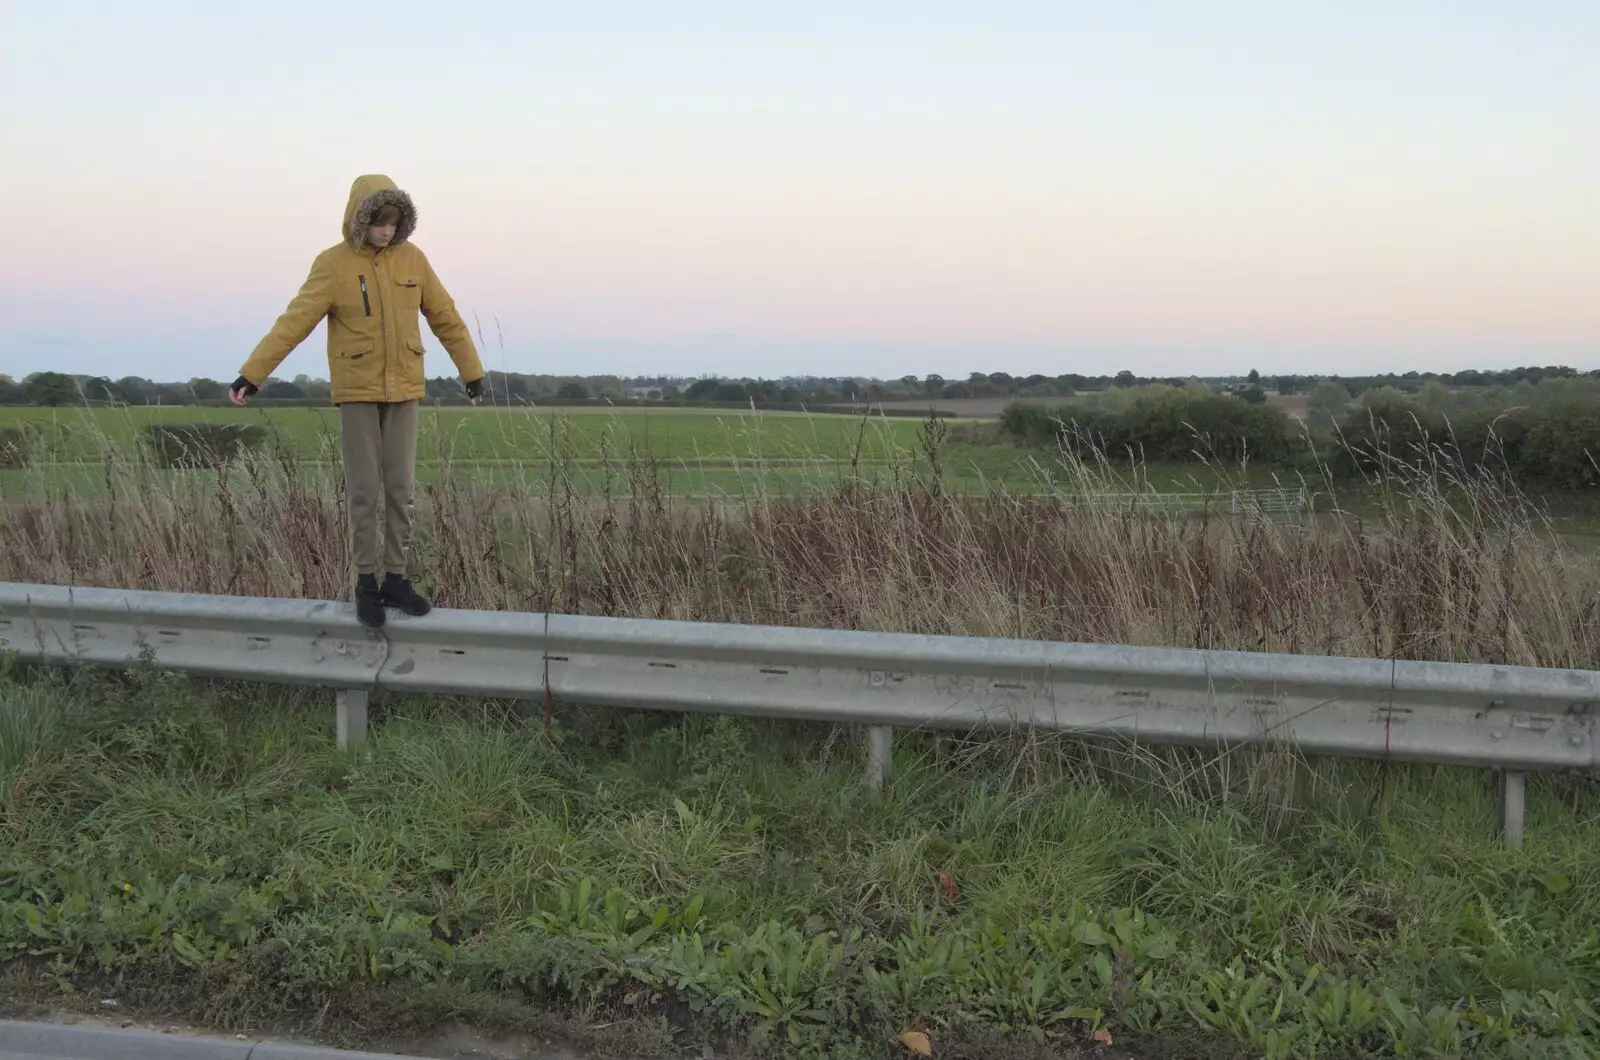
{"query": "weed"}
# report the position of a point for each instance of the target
(16, 446)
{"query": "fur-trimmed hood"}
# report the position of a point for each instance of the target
(368, 195)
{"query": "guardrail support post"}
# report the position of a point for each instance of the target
(351, 727)
(1513, 805)
(880, 756)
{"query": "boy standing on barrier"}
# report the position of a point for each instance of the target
(370, 287)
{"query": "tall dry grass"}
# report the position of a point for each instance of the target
(1442, 564)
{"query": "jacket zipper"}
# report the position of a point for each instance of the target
(383, 321)
(364, 303)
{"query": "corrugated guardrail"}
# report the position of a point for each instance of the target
(1513, 718)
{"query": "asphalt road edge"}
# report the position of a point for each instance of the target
(20, 1040)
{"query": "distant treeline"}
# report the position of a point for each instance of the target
(1542, 435)
(460, 401)
(445, 392)
(56, 388)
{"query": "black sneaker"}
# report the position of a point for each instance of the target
(398, 594)
(369, 601)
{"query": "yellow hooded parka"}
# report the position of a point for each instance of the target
(371, 300)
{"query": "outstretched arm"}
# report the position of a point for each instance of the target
(295, 323)
(440, 311)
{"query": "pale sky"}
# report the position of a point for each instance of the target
(873, 188)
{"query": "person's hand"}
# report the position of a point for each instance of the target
(241, 390)
(475, 391)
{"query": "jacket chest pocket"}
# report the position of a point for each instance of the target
(408, 291)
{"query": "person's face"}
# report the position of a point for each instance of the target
(381, 233)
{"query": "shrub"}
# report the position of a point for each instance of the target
(1548, 438)
(201, 445)
(1161, 423)
(16, 447)
(1544, 437)
(1558, 448)
(1031, 423)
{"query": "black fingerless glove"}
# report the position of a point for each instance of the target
(475, 388)
(246, 385)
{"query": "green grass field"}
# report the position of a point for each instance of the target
(82, 435)
(681, 480)
(724, 876)
(695, 452)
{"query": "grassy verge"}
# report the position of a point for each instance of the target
(735, 878)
